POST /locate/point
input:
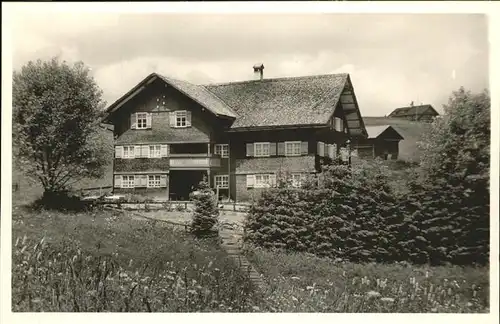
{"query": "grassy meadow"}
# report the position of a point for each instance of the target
(299, 282)
(105, 261)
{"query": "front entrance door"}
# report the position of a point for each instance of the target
(183, 182)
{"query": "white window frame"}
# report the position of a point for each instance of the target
(222, 181)
(128, 181)
(181, 118)
(154, 181)
(260, 182)
(222, 150)
(155, 151)
(261, 145)
(139, 120)
(293, 146)
(131, 152)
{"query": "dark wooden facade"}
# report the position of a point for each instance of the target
(189, 153)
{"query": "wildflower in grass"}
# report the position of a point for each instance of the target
(256, 308)
(130, 263)
(387, 299)
(373, 294)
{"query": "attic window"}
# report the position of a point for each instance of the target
(141, 120)
(180, 118)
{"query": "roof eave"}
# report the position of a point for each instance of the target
(273, 127)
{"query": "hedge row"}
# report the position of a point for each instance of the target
(358, 218)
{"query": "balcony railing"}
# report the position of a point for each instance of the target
(202, 160)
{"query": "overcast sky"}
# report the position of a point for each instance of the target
(392, 59)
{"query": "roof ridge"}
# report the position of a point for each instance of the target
(314, 76)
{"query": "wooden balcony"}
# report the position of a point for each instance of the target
(194, 161)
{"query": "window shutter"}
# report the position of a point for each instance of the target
(137, 151)
(118, 152)
(163, 180)
(172, 118)
(272, 149)
(118, 181)
(272, 179)
(334, 151)
(304, 148)
(137, 181)
(250, 180)
(188, 118)
(144, 180)
(133, 121)
(321, 149)
(338, 124)
(149, 116)
(145, 151)
(249, 149)
(164, 150)
(281, 149)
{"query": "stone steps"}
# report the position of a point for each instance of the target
(231, 243)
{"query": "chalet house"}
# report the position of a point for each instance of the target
(425, 113)
(240, 135)
(382, 142)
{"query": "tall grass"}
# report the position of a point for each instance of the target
(299, 282)
(103, 262)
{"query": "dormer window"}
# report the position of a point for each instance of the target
(141, 119)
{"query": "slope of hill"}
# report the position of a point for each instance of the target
(411, 131)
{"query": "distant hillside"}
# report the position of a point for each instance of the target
(410, 130)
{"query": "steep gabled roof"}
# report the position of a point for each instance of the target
(414, 110)
(377, 131)
(196, 92)
(307, 100)
(293, 101)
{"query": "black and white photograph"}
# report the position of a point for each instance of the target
(248, 162)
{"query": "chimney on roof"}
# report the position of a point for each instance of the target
(258, 71)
